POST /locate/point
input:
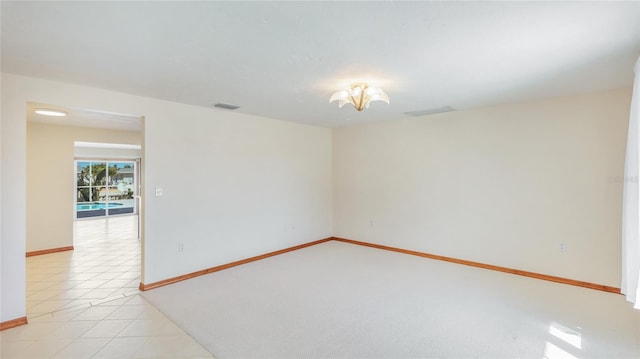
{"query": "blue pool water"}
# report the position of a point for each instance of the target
(94, 206)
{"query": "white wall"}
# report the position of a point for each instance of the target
(12, 202)
(235, 185)
(501, 185)
(50, 179)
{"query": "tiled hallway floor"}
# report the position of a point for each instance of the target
(104, 264)
(85, 303)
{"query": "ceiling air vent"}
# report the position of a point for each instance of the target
(226, 106)
(430, 111)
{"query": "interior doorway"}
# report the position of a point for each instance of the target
(105, 257)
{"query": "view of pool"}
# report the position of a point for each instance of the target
(94, 206)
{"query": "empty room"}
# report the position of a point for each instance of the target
(320, 179)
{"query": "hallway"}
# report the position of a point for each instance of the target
(104, 265)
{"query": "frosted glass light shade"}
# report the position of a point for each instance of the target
(360, 95)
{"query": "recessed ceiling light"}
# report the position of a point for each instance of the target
(49, 112)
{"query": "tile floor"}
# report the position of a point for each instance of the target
(105, 263)
(85, 303)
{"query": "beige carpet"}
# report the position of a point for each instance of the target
(337, 300)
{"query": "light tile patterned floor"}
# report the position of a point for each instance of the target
(105, 264)
(85, 303)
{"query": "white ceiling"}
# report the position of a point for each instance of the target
(284, 59)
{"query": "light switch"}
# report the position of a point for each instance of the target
(158, 191)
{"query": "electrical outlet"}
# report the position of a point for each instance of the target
(158, 191)
(180, 247)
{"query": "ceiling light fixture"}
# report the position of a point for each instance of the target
(360, 95)
(49, 112)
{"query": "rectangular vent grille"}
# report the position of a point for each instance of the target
(430, 111)
(226, 106)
